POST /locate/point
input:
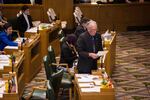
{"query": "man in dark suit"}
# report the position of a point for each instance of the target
(88, 44)
(24, 20)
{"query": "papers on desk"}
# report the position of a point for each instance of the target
(4, 61)
(32, 30)
(86, 78)
(11, 47)
(93, 89)
(86, 85)
(4, 57)
(20, 39)
(97, 82)
(36, 23)
(2, 88)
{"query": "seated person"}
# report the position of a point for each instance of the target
(68, 52)
(5, 37)
(81, 28)
(2, 20)
(24, 20)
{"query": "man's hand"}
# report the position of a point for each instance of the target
(93, 55)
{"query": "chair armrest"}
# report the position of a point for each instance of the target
(63, 64)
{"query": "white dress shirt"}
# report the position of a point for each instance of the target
(27, 20)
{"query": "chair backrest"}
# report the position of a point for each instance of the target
(48, 69)
(56, 81)
(51, 15)
(50, 91)
(51, 57)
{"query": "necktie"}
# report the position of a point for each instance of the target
(93, 43)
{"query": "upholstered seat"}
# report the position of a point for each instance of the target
(66, 79)
(52, 90)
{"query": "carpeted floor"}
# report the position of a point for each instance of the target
(131, 75)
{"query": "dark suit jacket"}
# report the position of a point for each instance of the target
(67, 55)
(84, 47)
(6, 40)
(22, 24)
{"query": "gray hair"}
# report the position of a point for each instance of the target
(90, 24)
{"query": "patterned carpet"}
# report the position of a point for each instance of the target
(131, 76)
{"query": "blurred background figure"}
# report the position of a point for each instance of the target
(3, 20)
(24, 20)
(82, 27)
(68, 51)
(6, 37)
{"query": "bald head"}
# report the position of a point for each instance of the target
(91, 27)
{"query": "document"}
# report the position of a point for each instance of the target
(86, 85)
(93, 89)
(11, 47)
(32, 30)
(2, 88)
(4, 57)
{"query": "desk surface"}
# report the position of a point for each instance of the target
(91, 91)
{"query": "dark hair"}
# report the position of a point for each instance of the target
(71, 39)
(25, 7)
(6, 26)
(84, 20)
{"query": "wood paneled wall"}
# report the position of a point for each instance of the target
(63, 9)
(108, 16)
(117, 16)
(11, 10)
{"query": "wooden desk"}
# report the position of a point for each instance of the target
(109, 61)
(104, 94)
(32, 62)
(48, 36)
(110, 57)
(19, 69)
(12, 95)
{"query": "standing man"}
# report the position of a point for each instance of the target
(88, 44)
(24, 20)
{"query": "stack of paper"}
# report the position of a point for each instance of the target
(93, 89)
(86, 84)
(32, 30)
(11, 47)
(2, 88)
